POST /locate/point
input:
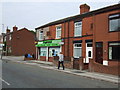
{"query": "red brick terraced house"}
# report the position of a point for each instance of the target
(20, 42)
(89, 40)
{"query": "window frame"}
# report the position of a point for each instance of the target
(112, 18)
(77, 48)
(57, 37)
(108, 50)
(41, 34)
(80, 26)
(44, 50)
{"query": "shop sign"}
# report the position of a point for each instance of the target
(49, 43)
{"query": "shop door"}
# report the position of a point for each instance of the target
(99, 52)
(89, 52)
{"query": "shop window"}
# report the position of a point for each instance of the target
(43, 51)
(78, 28)
(54, 52)
(41, 35)
(77, 50)
(58, 31)
(114, 22)
(114, 51)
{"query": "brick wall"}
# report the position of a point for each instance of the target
(43, 58)
(23, 41)
(102, 34)
(96, 67)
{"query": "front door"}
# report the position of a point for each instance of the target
(89, 52)
(99, 52)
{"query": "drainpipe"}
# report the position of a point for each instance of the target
(64, 36)
(94, 38)
(68, 38)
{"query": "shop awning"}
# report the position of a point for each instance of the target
(47, 43)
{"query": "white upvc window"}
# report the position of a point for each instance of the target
(114, 22)
(114, 51)
(77, 50)
(78, 28)
(41, 35)
(58, 31)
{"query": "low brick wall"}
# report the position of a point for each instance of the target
(29, 59)
(42, 58)
(50, 59)
(70, 62)
(96, 67)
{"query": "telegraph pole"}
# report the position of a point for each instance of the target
(2, 41)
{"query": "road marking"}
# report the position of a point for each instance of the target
(4, 81)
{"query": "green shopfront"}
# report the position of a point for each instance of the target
(48, 48)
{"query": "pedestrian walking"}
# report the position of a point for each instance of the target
(61, 61)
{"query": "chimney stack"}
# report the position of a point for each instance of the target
(15, 28)
(84, 8)
(7, 30)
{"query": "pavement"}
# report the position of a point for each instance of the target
(51, 66)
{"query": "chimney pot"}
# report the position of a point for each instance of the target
(15, 28)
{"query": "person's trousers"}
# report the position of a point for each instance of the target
(62, 64)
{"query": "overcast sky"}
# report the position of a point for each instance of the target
(34, 13)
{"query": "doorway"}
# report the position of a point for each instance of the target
(99, 52)
(89, 52)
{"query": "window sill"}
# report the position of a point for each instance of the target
(114, 60)
(113, 31)
(58, 38)
(77, 36)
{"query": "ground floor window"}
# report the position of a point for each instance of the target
(43, 51)
(77, 50)
(114, 51)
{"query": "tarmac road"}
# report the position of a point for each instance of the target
(17, 75)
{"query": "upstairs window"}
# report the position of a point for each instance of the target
(41, 35)
(58, 32)
(78, 28)
(114, 22)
